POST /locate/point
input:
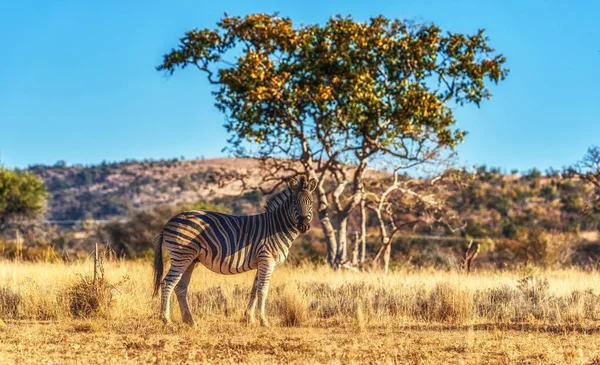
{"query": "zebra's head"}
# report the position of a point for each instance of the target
(302, 200)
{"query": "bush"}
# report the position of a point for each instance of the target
(135, 237)
(89, 298)
(37, 251)
(22, 195)
(539, 247)
(447, 303)
(496, 304)
(292, 308)
(9, 303)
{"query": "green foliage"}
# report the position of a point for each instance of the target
(384, 82)
(22, 195)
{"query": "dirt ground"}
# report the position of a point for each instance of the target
(86, 342)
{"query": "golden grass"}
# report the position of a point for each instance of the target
(318, 316)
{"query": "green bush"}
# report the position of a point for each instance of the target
(22, 195)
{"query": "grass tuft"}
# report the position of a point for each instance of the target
(9, 303)
(291, 308)
(89, 298)
(448, 303)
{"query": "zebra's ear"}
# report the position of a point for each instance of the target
(294, 184)
(312, 185)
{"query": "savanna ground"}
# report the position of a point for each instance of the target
(54, 313)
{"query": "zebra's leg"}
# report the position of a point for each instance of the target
(264, 277)
(181, 291)
(167, 285)
(252, 302)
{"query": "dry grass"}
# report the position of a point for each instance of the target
(318, 316)
(89, 298)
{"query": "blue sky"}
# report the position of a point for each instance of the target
(77, 78)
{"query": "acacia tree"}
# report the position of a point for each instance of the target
(22, 196)
(336, 97)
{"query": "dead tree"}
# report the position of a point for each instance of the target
(470, 256)
(407, 203)
(588, 170)
(355, 248)
(391, 202)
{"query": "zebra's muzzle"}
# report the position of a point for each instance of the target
(303, 225)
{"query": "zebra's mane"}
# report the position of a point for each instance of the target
(277, 200)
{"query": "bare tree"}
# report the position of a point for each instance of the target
(588, 170)
(470, 256)
(405, 203)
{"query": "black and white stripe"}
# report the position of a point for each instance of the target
(229, 244)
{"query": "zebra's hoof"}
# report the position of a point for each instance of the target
(190, 322)
(264, 323)
(249, 319)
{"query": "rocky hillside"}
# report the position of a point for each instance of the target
(545, 219)
(110, 190)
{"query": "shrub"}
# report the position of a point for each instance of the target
(9, 303)
(23, 195)
(448, 303)
(89, 298)
(539, 247)
(497, 304)
(292, 308)
(135, 236)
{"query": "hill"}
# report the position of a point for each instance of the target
(112, 190)
(543, 219)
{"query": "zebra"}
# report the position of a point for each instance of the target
(229, 244)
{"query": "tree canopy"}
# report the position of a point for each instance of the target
(382, 80)
(22, 196)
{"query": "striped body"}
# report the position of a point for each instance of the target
(228, 244)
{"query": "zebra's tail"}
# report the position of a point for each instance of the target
(158, 263)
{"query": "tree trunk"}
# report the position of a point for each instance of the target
(363, 232)
(326, 225)
(330, 239)
(386, 257)
(355, 248)
(342, 242)
(19, 244)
